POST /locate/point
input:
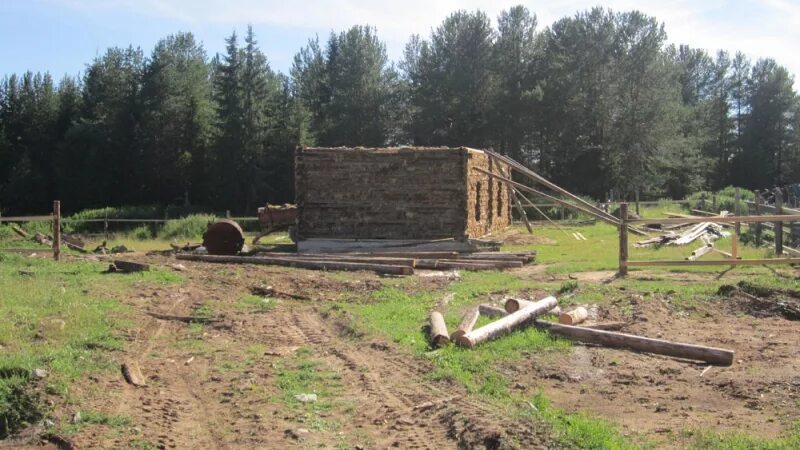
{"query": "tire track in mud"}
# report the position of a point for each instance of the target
(417, 413)
(170, 410)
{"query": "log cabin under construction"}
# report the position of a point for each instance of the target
(400, 193)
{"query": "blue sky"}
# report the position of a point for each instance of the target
(62, 36)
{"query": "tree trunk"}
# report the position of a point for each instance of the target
(508, 323)
(491, 311)
(710, 355)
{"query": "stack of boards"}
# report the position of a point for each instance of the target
(391, 263)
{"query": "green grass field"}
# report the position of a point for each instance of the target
(60, 317)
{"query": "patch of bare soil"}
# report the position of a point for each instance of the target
(759, 301)
(216, 386)
(661, 396)
(513, 236)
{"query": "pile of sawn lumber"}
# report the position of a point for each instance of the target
(518, 313)
(393, 263)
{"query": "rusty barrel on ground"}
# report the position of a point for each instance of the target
(223, 237)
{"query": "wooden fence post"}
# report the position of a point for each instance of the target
(56, 230)
(758, 224)
(105, 223)
(778, 225)
(714, 203)
(637, 203)
(737, 211)
(623, 239)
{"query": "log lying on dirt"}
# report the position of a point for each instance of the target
(42, 239)
(439, 336)
(449, 264)
(128, 266)
(299, 263)
(491, 311)
(515, 304)
(133, 374)
(468, 321)
(710, 355)
(508, 323)
(185, 319)
(610, 326)
(573, 317)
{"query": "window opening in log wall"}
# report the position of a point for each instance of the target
(499, 200)
(478, 203)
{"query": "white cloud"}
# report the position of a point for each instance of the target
(760, 28)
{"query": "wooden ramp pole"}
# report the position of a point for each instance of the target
(508, 323)
(710, 355)
(535, 176)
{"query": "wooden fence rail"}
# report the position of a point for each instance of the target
(777, 219)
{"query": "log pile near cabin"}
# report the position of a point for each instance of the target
(520, 313)
(389, 263)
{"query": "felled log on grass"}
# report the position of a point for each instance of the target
(573, 317)
(515, 304)
(508, 323)
(613, 339)
(604, 325)
(133, 374)
(19, 231)
(491, 311)
(439, 336)
(300, 263)
(128, 266)
(468, 321)
(700, 252)
(445, 264)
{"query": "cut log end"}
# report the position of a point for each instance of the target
(573, 317)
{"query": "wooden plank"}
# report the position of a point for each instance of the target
(718, 219)
(722, 262)
(26, 219)
(711, 355)
(772, 209)
(299, 263)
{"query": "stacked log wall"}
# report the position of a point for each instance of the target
(394, 193)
